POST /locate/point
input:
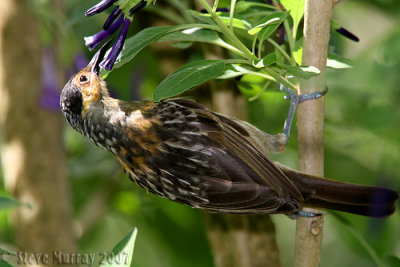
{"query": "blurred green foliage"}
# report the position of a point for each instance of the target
(362, 145)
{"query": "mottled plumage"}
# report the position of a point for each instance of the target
(181, 151)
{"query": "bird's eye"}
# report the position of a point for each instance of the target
(83, 79)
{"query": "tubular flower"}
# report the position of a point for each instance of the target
(121, 15)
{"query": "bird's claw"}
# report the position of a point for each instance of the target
(306, 214)
(296, 99)
(291, 95)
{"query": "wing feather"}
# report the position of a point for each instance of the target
(233, 176)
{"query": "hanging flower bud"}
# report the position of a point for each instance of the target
(100, 7)
(121, 15)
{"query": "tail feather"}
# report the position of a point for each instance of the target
(358, 199)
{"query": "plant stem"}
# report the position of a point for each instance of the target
(277, 46)
(261, 91)
(277, 78)
(310, 121)
(291, 40)
(232, 11)
(225, 30)
(216, 2)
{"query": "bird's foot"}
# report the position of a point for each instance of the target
(296, 99)
(302, 213)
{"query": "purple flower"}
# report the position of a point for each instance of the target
(137, 8)
(117, 47)
(112, 24)
(93, 41)
(116, 12)
(50, 92)
(100, 7)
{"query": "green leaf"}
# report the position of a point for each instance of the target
(6, 252)
(267, 31)
(6, 203)
(243, 6)
(182, 45)
(234, 70)
(279, 57)
(304, 72)
(197, 34)
(201, 16)
(296, 10)
(3, 252)
(237, 22)
(122, 253)
(298, 51)
(338, 62)
(193, 35)
(189, 76)
(136, 43)
(265, 61)
(274, 20)
(3, 263)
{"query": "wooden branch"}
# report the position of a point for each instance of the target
(310, 119)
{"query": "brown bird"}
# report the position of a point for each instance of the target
(181, 151)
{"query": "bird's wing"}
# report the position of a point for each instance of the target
(213, 164)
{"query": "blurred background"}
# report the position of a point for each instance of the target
(79, 196)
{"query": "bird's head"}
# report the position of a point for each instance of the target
(84, 89)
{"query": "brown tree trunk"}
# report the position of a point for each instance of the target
(32, 149)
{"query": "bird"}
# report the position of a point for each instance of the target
(180, 150)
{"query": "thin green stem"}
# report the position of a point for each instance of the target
(278, 78)
(264, 75)
(232, 11)
(260, 92)
(225, 30)
(277, 46)
(291, 41)
(216, 2)
(233, 49)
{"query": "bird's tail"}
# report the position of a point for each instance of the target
(358, 199)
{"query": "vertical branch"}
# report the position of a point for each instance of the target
(310, 119)
(32, 148)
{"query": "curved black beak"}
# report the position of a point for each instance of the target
(98, 57)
